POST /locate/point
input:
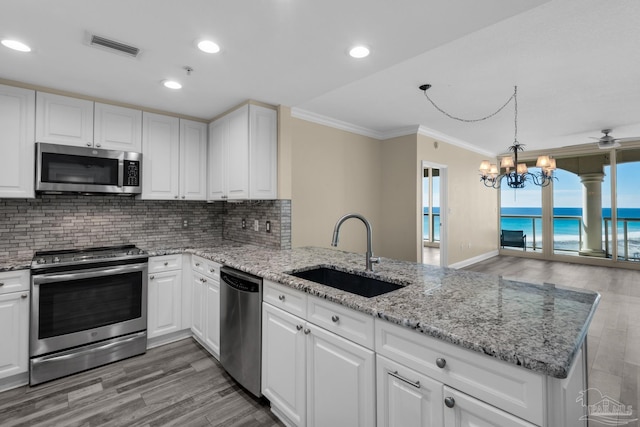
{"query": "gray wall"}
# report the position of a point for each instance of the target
(75, 221)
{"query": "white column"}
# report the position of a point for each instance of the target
(592, 214)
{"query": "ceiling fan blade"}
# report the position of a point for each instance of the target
(593, 137)
(633, 138)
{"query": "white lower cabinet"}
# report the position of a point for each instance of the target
(164, 290)
(465, 411)
(311, 376)
(14, 333)
(205, 312)
(340, 381)
(406, 398)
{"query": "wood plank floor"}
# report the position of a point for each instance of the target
(613, 340)
(178, 384)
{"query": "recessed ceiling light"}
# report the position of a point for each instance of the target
(172, 84)
(359, 52)
(208, 46)
(16, 45)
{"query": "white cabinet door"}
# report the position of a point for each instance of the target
(193, 160)
(406, 398)
(218, 135)
(340, 381)
(197, 305)
(237, 148)
(64, 120)
(164, 308)
(17, 149)
(211, 299)
(263, 153)
(160, 157)
(284, 363)
(14, 333)
(117, 128)
(462, 410)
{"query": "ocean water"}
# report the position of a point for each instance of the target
(566, 234)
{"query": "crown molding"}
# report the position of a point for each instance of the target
(409, 130)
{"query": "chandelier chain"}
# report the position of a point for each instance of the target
(513, 96)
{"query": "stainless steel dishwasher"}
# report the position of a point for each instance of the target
(241, 327)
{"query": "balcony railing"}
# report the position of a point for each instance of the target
(435, 226)
(532, 226)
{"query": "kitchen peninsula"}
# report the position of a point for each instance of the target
(481, 344)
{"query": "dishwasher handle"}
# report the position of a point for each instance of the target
(239, 280)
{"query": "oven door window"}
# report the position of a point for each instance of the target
(78, 305)
(71, 169)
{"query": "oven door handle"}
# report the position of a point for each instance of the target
(89, 273)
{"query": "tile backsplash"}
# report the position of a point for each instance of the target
(76, 221)
(277, 212)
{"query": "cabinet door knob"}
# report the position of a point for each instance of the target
(307, 331)
(183, 197)
(175, 197)
(1, 283)
(88, 144)
(450, 402)
(335, 319)
(23, 296)
(441, 362)
(281, 297)
(152, 277)
(299, 327)
(98, 145)
(166, 263)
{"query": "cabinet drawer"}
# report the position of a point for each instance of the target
(14, 281)
(158, 264)
(206, 267)
(348, 323)
(516, 390)
(285, 298)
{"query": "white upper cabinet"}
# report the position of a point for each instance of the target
(243, 154)
(64, 120)
(193, 160)
(174, 158)
(117, 128)
(17, 109)
(72, 121)
(160, 157)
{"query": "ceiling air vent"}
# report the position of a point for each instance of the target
(114, 46)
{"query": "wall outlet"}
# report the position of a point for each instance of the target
(256, 225)
(185, 223)
(244, 223)
(268, 227)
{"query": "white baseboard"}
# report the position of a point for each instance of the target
(14, 381)
(469, 261)
(169, 338)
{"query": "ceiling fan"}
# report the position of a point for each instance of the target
(607, 141)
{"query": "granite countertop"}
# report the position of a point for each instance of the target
(537, 326)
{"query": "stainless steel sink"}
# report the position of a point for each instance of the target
(348, 282)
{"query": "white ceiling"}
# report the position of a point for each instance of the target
(575, 62)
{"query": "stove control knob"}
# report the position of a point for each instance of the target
(130, 252)
(41, 261)
(56, 259)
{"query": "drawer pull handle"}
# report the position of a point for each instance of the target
(281, 298)
(23, 296)
(441, 362)
(307, 331)
(450, 402)
(416, 384)
(166, 263)
(197, 264)
(152, 277)
(299, 327)
(335, 319)
(212, 270)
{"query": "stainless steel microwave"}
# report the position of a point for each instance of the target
(65, 168)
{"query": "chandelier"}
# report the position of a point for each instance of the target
(516, 174)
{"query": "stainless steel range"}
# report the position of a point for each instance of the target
(88, 308)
